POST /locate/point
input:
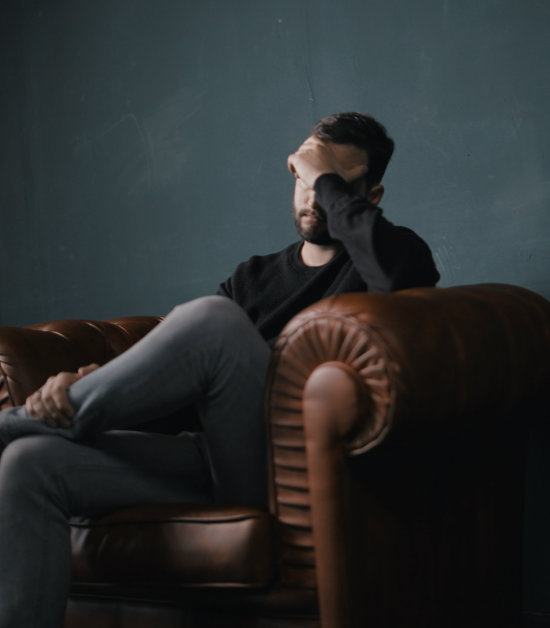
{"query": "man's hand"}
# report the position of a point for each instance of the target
(50, 403)
(315, 157)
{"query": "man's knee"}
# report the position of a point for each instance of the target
(213, 314)
(29, 458)
(210, 306)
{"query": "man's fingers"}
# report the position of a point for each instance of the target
(52, 411)
(51, 403)
(54, 395)
(312, 141)
(57, 404)
(31, 405)
(310, 149)
(85, 370)
(36, 407)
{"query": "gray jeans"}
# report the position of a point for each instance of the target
(206, 352)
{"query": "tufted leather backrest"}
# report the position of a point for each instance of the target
(29, 355)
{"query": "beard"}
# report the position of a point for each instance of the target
(314, 231)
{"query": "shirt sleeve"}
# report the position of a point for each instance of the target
(225, 289)
(387, 257)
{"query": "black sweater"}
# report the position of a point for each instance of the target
(377, 256)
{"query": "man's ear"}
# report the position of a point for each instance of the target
(375, 194)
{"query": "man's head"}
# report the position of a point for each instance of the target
(362, 131)
(354, 140)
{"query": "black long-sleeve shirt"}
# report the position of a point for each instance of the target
(377, 256)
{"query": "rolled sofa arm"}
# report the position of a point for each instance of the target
(29, 355)
(355, 371)
(432, 354)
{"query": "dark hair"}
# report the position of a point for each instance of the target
(362, 131)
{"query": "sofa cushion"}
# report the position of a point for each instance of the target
(182, 544)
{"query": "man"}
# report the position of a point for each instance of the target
(212, 352)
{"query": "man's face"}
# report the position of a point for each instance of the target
(309, 216)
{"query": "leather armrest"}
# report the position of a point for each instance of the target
(357, 371)
(422, 355)
(29, 355)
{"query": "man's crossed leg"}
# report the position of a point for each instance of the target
(206, 352)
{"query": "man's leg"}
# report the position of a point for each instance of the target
(206, 352)
(46, 479)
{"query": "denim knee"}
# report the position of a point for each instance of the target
(213, 315)
(28, 462)
(209, 307)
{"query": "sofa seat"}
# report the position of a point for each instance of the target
(195, 546)
(175, 565)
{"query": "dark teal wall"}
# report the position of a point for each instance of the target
(144, 143)
(143, 147)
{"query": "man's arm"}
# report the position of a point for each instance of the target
(387, 257)
(225, 289)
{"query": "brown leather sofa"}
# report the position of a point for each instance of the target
(396, 434)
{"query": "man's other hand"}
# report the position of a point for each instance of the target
(50, 403)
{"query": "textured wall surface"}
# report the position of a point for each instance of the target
(144, 144)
